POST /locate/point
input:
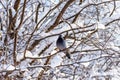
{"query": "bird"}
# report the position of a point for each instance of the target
(61, 45)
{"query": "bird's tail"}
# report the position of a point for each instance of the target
(68, 55)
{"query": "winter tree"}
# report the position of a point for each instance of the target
(29, 30)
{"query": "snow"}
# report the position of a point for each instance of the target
(13, 11)
(28, 54)
(86, 64)
(27, 74)
(97, 56)
(112, 45)
(56, 61)
(7, 67)
(11, 67)
(55, 1)
(100, 26)
(20, 56)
